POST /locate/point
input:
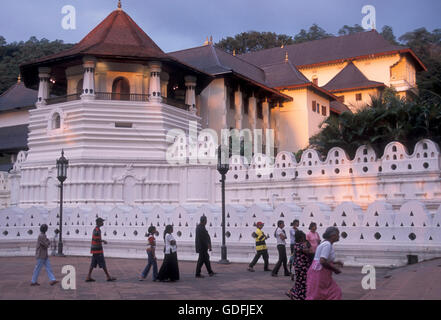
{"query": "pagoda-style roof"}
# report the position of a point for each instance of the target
(351, 78)
(116, 38)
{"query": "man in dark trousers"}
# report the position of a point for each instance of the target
(97, 252)
(203, 244)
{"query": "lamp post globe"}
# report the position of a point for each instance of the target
(62, 165)
(223, 165)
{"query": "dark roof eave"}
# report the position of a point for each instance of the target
(273, 91)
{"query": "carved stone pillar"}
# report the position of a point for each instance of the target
(43, 87)
(88, 92)
(190, 93)
(155, 81)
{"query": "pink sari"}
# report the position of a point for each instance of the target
(320, 285)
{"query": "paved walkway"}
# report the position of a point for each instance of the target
(233, 282)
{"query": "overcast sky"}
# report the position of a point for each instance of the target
(180, 24)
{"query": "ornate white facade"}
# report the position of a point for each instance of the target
(385, 208)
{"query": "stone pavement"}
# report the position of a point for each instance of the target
(233, 282)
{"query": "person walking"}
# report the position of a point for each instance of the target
(313, 237)
(97, 252)
(301, 265)
(280, 235)
(292, 234)
(151, 254)
(54, 242)
(261, 249)
(169, 269)
(203, 245)
(41, 254)
(319, 284)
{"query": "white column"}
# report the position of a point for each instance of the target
(164, 83)
(89, 64)
(277, 125)
(252, 106)
(155, 82)
(190, 93)
(266, 118)
(43, 87)
(266, 114)
(238, 105)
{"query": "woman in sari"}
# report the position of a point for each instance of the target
(301, 265)
(319, 284)
(169, 269)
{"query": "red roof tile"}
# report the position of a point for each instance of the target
(117, 35)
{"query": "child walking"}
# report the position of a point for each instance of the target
(151, 248)
(41, 254)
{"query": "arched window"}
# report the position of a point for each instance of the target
(121, 89)
(56, 121)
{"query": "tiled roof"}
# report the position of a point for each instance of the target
(215, 61)
(116, 35)
(350, 77)
(330, 49)
(14, 138)
(283, 74)
(17, 96)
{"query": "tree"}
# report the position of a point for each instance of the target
(15, 53)
(314, 33)
(388, 34)
(386, 119)
(253, 41)
(345, 30)
(427, 46)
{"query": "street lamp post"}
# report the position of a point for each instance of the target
(62, 165)
(223, 166)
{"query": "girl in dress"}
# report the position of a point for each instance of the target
(169, 269)
(313, 237)
(301, 265)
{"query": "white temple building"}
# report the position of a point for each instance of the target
(133, 122)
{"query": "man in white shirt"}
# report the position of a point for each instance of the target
(281, 247)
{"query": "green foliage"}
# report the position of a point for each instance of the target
(386, 119)
(16, 53)
(388, 34)
(427, 46)
(254, 41)
(345, 30)
(314, 33)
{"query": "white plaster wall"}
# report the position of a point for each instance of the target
(293, 130)
(14, 118)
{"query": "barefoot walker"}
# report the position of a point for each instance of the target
(97, 252)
